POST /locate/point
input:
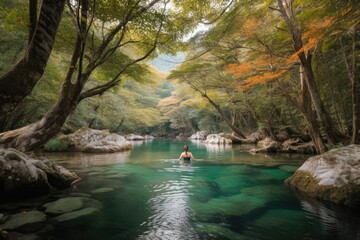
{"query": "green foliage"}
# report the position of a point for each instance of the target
(55, 145)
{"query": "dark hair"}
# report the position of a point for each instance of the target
(186, 148)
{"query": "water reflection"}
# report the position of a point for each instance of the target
(83, 160)
(170, 218)
(334, 222)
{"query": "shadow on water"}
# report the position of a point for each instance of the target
(226, 194)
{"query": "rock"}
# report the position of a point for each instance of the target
(19, 220)
(19, 176)
(216, 231)
(217, 139)
(82, 137)
(77, 214)
(22, 176)
(64, 205)
(332, 176)
(20, 236)
(1, 217)
(91, 140)
(267, 146)
(279, 224)
(4, 235)
(58, 176)
(68, 204)
(111, 143)
(182, 136)
(102, 190)
(133, 137)
(148, 137)
(200, 135)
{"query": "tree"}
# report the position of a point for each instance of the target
(203, 78)
(72, 93)
(19, 80)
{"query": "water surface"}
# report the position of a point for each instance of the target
(226, 194)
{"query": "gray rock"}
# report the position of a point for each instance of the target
(200, 135)
(99, 141)
(22, 176)
(1, 217)
(332, 176)
(77, 214)
(217, 139)
(134, 137)
(21, 219)
(102, 190)
(64, 205)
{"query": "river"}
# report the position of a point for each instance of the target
(227, 193)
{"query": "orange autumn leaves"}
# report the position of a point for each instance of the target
(265, 68)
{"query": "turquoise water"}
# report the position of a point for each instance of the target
(226, 194)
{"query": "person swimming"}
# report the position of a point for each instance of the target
(186, 157)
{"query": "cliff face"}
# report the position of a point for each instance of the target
(332, 176)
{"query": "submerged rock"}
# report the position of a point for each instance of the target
(22, 176)
(102, 190)
(64, 205)
(333, 176)
(77, 214)
(68, 204)
(19, 220)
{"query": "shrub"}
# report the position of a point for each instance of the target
(56, 145)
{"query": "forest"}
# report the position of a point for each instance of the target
(265, 66)
(179, 119)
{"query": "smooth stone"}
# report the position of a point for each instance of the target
(1, 216)
(64, 205)
(266, 192)
(217, 231)
(21, 219)
(80, 195)
(20, 236)
(279, 224)
(77, 214)
(102, 190)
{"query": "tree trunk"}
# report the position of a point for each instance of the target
(227, 121)
(305, 60)
(19, 80)
(306, 109)
(355, 90)
(36, 134)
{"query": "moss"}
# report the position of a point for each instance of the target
(348, 194)
(56, 145)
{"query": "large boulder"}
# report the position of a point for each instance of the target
(82, 137)
(267, 146)
(22, 176)
(92, 140)
(200, 135)
(332, 176)
(217, 139)
(111, 143)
